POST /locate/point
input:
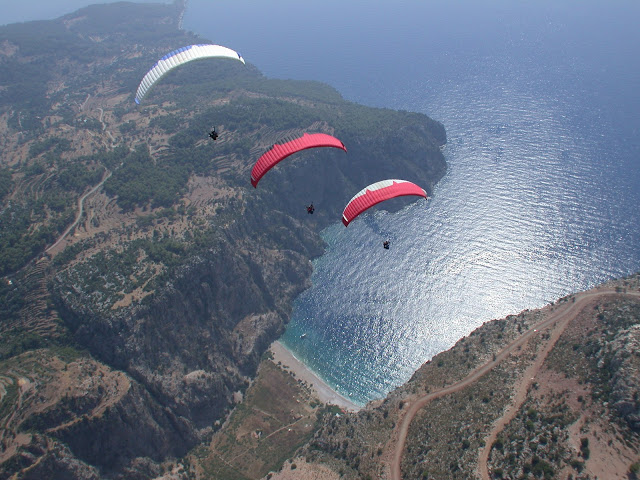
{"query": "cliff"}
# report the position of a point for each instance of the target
(143, 278)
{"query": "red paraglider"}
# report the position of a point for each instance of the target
(376, 193)
(278, 152)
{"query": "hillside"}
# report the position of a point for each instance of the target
(142, 277)
(549, 393)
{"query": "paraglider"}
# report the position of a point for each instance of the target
(376, 193)
(179, 57)
(279, 152)
(213, 134)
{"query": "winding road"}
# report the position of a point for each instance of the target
(557, 320)
(106, 176)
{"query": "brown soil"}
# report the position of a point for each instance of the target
(555, 321)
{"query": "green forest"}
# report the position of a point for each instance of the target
(44, 187)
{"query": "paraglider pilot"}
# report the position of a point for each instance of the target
(386, 244)
(213, 133)
(311, 208)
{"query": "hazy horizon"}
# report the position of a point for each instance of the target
(32, 10)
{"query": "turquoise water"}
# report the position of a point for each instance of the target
(541, 198)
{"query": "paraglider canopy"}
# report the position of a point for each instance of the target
(376, 193)
(277, 153)
(179, 57)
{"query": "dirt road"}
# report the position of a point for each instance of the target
(557, 320)
(107, 174)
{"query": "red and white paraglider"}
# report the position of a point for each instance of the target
(279, 152)
(376, 193)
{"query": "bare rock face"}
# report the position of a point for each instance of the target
(73, 417)
(48, 459)
(201, 338)
(134, 427)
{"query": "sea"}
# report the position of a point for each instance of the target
(541, 102)
(541, 105)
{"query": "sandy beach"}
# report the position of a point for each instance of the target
(323, 391)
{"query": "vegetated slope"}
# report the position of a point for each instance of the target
(551, 393)
(126, 336)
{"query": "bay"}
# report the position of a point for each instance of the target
(540, 104)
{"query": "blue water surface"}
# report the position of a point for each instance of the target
(540, 102)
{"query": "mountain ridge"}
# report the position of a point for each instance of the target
(178, 275)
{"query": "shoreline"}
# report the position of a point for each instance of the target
(321, 389)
